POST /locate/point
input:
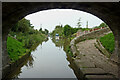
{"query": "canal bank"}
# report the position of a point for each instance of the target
(13, 68)
(10, 69)
(48, 61)
(89, 61)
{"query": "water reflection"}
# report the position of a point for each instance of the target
(28, 62)
(17, 70)
(34, 47)
(48, 60)
(64, 43)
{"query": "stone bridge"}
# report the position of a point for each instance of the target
(13, 12)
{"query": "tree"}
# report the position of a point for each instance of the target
(103, 25)
(67, 30)
(79, 23)
(22, 26)
(32, 26)
(40, 29)
(58, 26)
(46, 31)
(74, 30)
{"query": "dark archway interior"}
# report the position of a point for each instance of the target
(13, 12)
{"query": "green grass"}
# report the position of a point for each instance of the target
(15, 49)
(108, 42)
(24, 44)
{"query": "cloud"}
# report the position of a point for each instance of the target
(48, 19)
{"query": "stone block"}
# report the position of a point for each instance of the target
(84, 63)
(93, 71)
(100, 77)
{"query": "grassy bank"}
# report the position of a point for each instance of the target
(23, 44)
(108, 42)
(23, 38)
(15, 49)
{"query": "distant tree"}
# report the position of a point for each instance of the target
(74, 30)
(36, 30)
(61, 25)
(58, 26)
(103, 25)
(67, 30)
(40, 29)
(31, 31)
(32, 26)
(46, 31)
(79, 23)
(22, 26)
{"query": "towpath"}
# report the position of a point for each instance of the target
(92, 62)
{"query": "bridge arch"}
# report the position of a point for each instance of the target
(13, 12)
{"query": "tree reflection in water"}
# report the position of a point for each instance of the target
(17, 70)
(28, 62)
(65, 44)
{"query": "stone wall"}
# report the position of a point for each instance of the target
(90, 35)
(13, 66)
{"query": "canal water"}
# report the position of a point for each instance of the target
(47, 61)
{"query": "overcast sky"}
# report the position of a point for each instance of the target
(48, 19)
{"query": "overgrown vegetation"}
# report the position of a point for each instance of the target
(29, 39)
(15, 49)
(58, 30)
(66, 34)
(66, 31)
(22, 38)
(69, 32)
(101, 25)
(108, 42)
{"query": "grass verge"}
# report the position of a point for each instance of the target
(108, 42)
(15, 49)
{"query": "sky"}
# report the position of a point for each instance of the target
(48, 19)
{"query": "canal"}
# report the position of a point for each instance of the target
(48, 60)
